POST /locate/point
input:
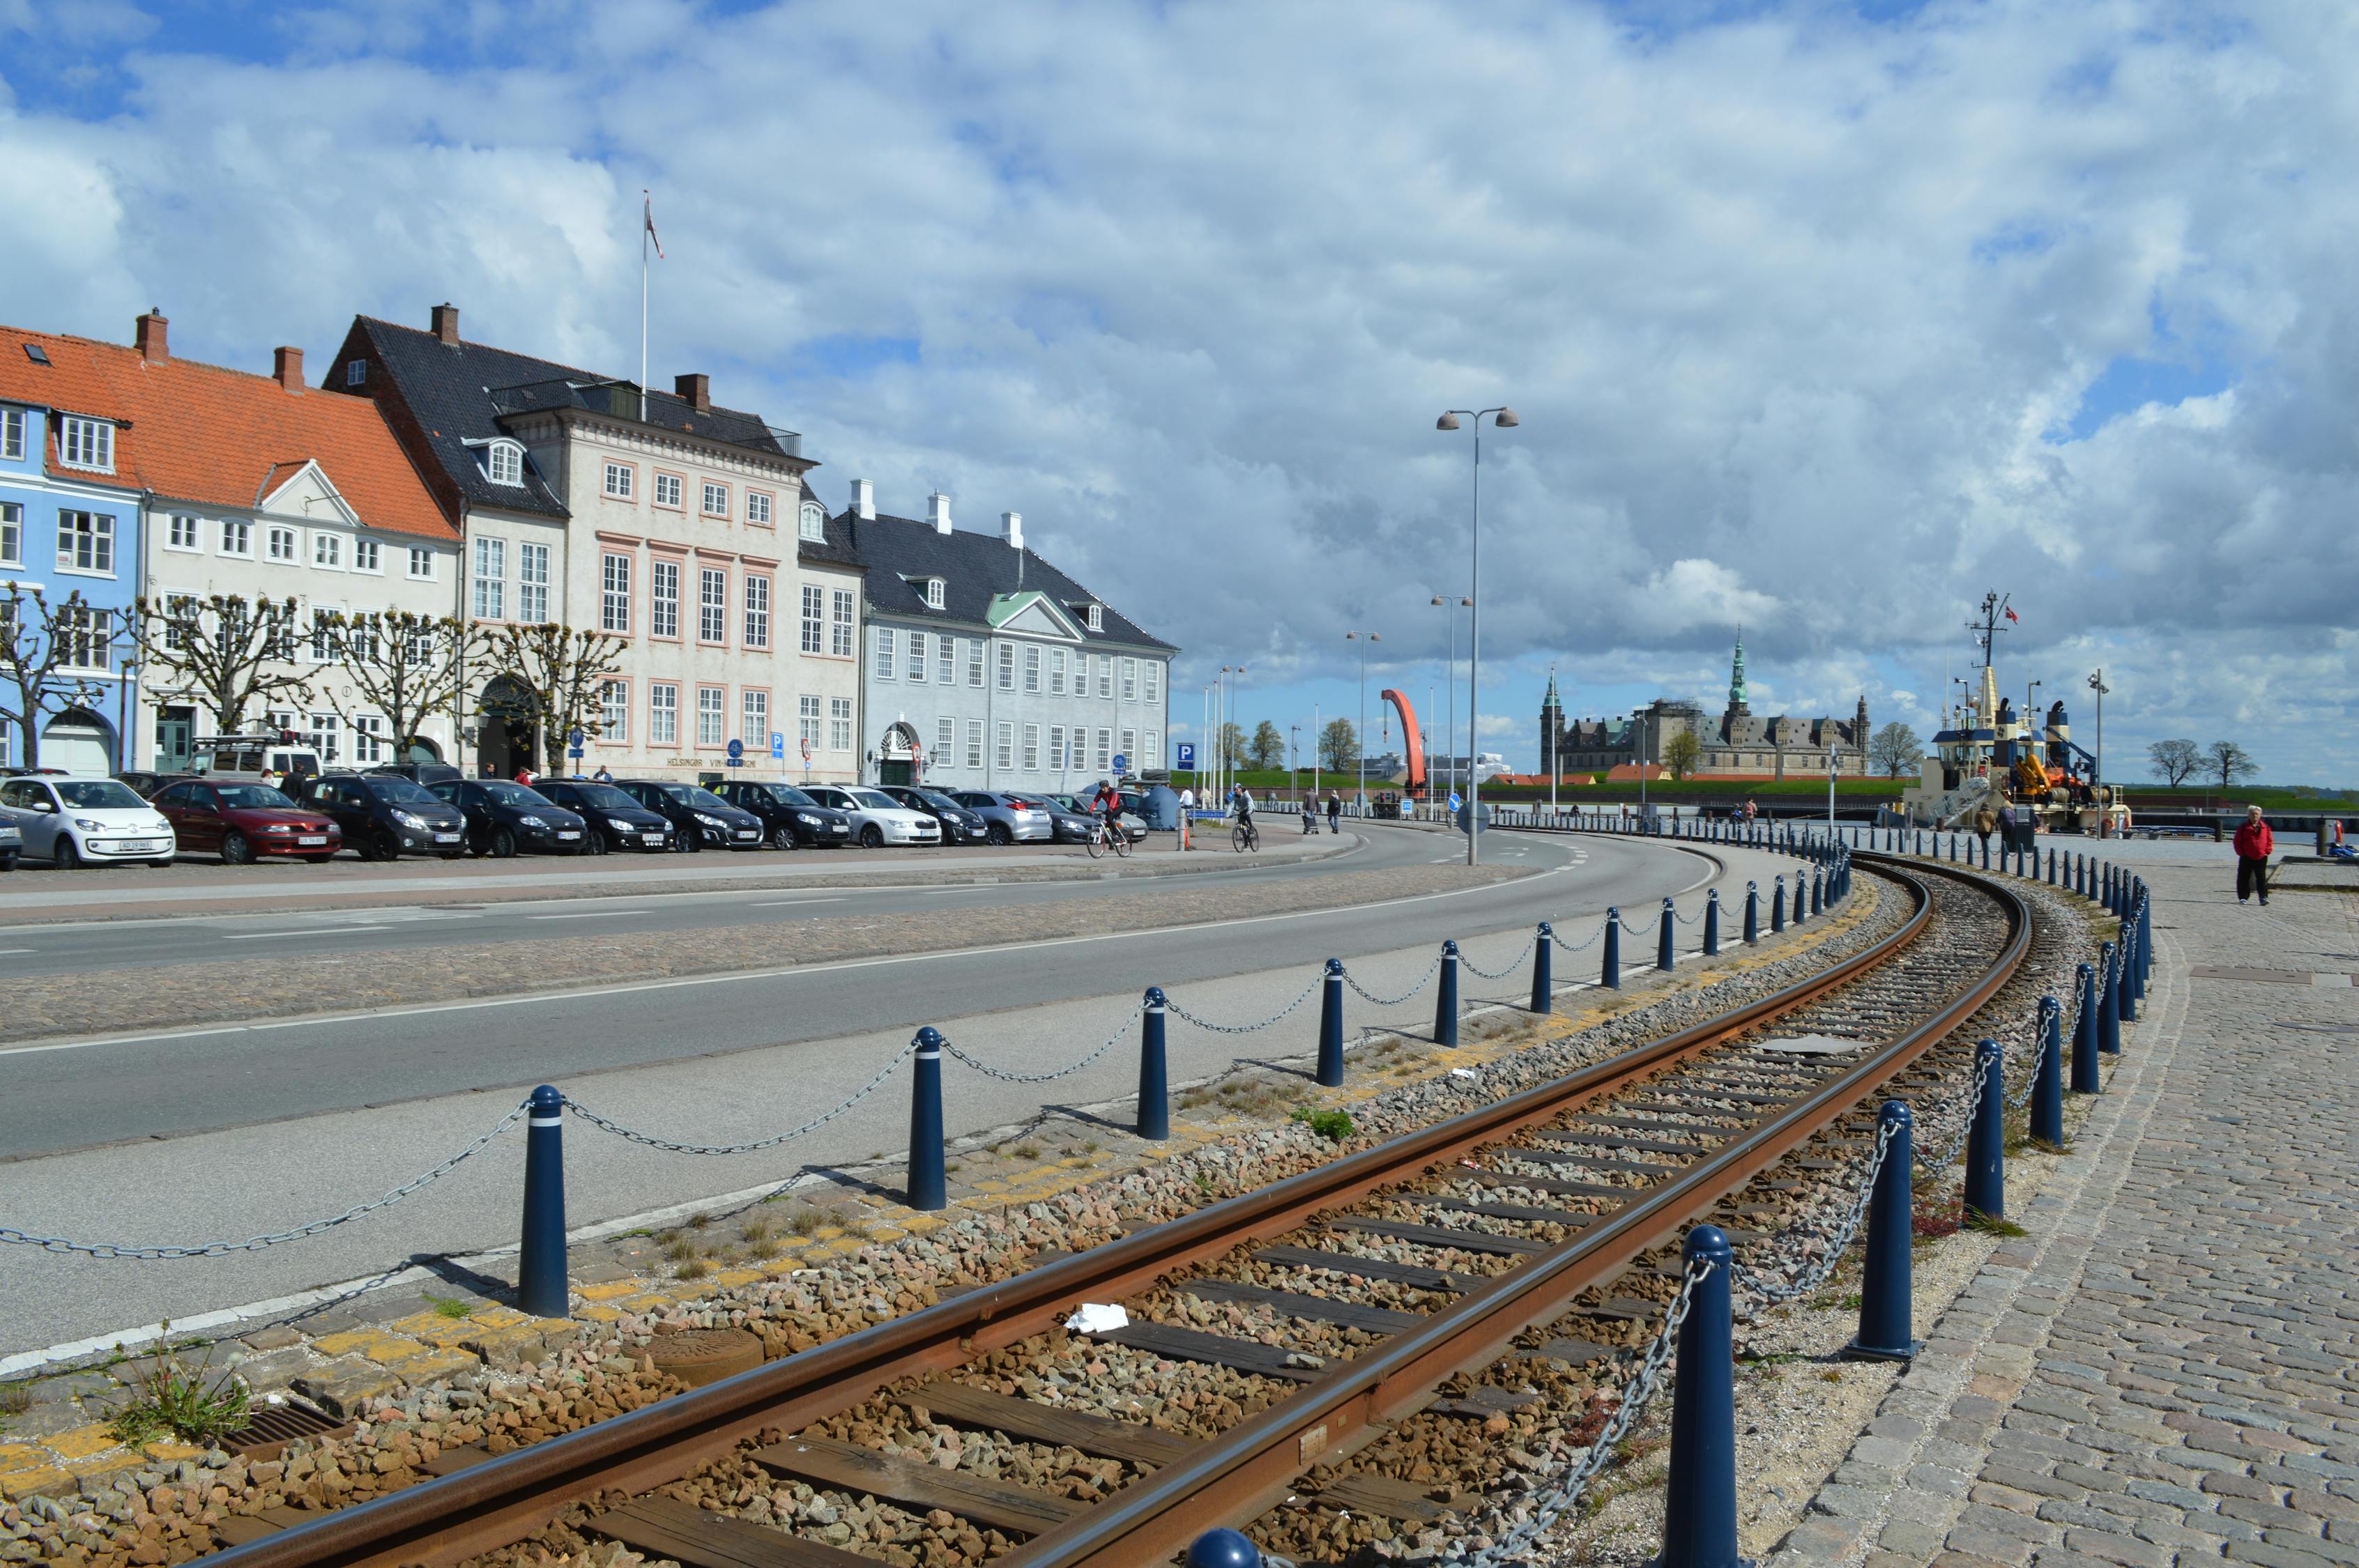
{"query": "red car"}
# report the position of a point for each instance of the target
(242, 822)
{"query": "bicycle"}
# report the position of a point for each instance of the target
(1107, 835)
(1246, 836)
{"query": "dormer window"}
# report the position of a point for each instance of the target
(504, 462)
(813, 522)
(934, 587)
(1094, 615)
(356, 372)
(86, 444)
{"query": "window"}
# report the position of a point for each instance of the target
(355, 372)
(1006, 745)
(86, 444)
(365, 556)
(1057, 672)
(491, 579)
(712, 605)
(183, 534)
(758, 509)
(237, 537)
(86, 542)
(12, 433)
(323, 634)
(668, 486)
(1130, 747)
(1130, 680)
(1154, 680)
(663, 713)
(504, 462)
(664, 618)
(945, 740)
(614, 711)
(328, 550)
(934, 588)
(1055, 748)
(974, 743)
(1097, 617)
(917, 665)
(885, 648)
(1031, 747)
(323, 734)
(1007, 666)
(1032, 669)
(12, 534)
(87, 635)
(839, 641)
(1153, 757)
(1105, 748)
(946, 660)
(421, 563)
(361, 630)
(839, 724)
(622, 480)
(754, 708)
(814, 615)
(712, 714)
(532, 584)
(758, 610)
(806, 723)
(281, 542)
(368, 738)
(1104, 663)
(716, 500)
(974, 666)
(614, 595)
(813, 526)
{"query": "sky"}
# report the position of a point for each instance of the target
(1822, 318)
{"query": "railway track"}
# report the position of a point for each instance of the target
(1336, 1358)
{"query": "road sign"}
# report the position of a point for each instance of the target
(736, 751)
(573, 744)
(1186, 754)
(807, 753)
(779, 743)
(1121, 763)
(1455, 804)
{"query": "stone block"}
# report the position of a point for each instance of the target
(340, 1387)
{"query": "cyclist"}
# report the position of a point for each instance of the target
(1241, 800)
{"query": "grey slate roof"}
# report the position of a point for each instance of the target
(975, 568)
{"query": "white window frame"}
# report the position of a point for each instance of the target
(843, 630)
(614, 592)
(327, 550)
(888, 654)
(504, 464)
(321, 642)
(237, 539)
(1153, 749)
(614, 711)
(670, 492)
(839, 724)
(1032, 668)
(935, 591)
(1056, 671)
(12, 434)
(1055, 748)
(419, 556)
(807, 722)
(756, 596)
(811, 523)
(490, 596)
(715, 497)
(368, 556)
(368, 738)
(711, 717)
(280, 544)
(356, 371)
(85, 443)
(663, 713)
(98, 558)
(945, 740)
(663, 599)
(532, 583)
(712, 606)
(11, 535)
(184, 532)
(1031, 747)
(1105, 750)
(1004, 750)
(974, 664)
(1097, 617)
(622, 481)
(325, 733)
(1129, 748)
(914, 661)
(946, 660)
(88, 633)
(1007, 667)
(974, 743)
(753, 718)
(814, 618)
(1104, 663)
(1130, 680)
(1154, 674)
(757, 508)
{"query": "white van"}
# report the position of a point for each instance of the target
(250, 754)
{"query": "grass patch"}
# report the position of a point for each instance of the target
(1333, 1125)
(1991, 1225)
(754, 1229)
(692, 1269)
(451, 1306)
(1027, 1151)
(176, 1398)
(761, 1247)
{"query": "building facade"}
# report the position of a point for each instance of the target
(1738, 744)
(987, 668)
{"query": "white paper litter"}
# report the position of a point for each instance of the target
(1097, 1318)
(1464, 1073)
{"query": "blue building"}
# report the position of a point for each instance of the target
(70, 515)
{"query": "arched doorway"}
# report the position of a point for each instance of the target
(79, 741)
(896, 755)
(421, 750)
(509, 737)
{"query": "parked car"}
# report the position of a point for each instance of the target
(789, 818)
(698, 815)
(877, 819)
(1132, 823)
(1008, 819)
(960, 826)
(143, 783)
(71, 820)
(504, 818)
(12, 843)
(244, 822)
(426, 775)
(277, 754)
(614, 821)
(383, 816)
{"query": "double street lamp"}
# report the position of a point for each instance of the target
(1450, 683)
(1503, 418)
(1361, 743)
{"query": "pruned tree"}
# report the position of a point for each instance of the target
(401, 665)
(1267, 750)
(1896, 750)
(1339, 746)
(1681, 752)
(224, 652)
(561, 667)
(2230, 761)
(43, 648)
(2175, 761)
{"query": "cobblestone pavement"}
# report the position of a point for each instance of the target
(2163, 1371)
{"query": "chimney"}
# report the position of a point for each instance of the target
(150, 336)
(696, 391)
(287, 365)
(938, 512)
(446, 323)
(864, 501)
(1011, 528)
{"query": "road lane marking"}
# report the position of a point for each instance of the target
(310, 931)
(590, 915)
(789, 902)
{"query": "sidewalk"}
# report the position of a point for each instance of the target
(2161, 1372)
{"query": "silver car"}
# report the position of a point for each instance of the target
(1008, 817)
(877, 819)
(72, 822)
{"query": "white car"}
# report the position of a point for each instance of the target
(77, 821)
(877, 818)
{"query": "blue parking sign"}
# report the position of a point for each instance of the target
(779, 743)
(1186, 754)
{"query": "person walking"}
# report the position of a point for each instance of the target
(1335, 812)
(601, 775)
(2254, 842)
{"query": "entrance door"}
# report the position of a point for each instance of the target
(892, 773)
(78, 743)
(175, 727)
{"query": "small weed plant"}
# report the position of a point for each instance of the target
(177, 1398)
(1333, 1125)
(452, 1306)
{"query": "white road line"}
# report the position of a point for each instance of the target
(789, 902)
(9, 950)
(310, 931)
(588, 915)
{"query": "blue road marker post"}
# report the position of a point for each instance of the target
(1609, 970)
(1330, 1026)
(1543, 982)
(1711, 923)
(2126, 983)
(2048, 1089)
(1986, 1136)
(1801, 900)
(2109, 991)
(2084, 1036)
(2145, 941)
(1752, 914)
(1665, 925)
(1818, 893)
(1223, 1549)
(1445, 1001)
(542, 1288)
(1154, 1072)
(1700, 1512)
(928, 1182)
(1885, 1324)
(1778, 904)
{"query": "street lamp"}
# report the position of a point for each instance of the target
(1501, 418)
(1364, 639)
(2030, 732)
(1449, 682)
(2097, 684)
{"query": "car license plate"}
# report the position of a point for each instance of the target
(840, 827)
(747, 833)
(567, 833)
(651, 837)
(139, 846)
(311, 838)
(446, 837)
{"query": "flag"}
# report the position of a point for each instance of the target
(2011, 615)
(648, 219)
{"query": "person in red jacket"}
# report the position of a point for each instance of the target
(2254, 842)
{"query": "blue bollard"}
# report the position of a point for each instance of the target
(1610, 969)
(1154, 1074)
(1223, 1549)
(1885, 1322)
(2145, 941)
(2051, 865)
(1986, 1137)
(2109, 1017)
(1445, 1001)
(1543, 985)
(2084, 1036)
(2048, 1085)
(1711, 923)
(1818, 893)
(928, 1182)
(1664, 924)
(1699, 1511)
(1752, 914)
(541, 1286)
(2082, 888)
(1778, 904)
(2126, 987)
(1331, 1027)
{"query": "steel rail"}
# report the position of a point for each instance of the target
(499, 1501)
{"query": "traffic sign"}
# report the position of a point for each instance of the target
(1121, 763)
(573, 744)
(779, 743)
(1186, 754)
(807, 753)
(1454, 802)
(736, 751)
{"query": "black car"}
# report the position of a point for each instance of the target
(383, 816)
(614, 820)
(426, 775)
(791, 818)
(960, 826)
(504, 818)
(698, 815)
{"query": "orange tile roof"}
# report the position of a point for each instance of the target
(213, 437)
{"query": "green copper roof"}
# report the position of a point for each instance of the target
(1736, 674)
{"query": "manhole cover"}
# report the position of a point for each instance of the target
(700, 1356)
(271, 1428)
(1811, 1046)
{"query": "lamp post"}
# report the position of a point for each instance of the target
(1361, 740)
(2030, 734)
(1554, 725)
(1449, 682)
(1314, 749)
(2097, 684)
(1831, 788)
(1502, 418)
(1293, 757)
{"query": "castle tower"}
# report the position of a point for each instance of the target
(1736, 678)
(1551, 728)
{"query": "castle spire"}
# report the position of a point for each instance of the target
(1736, 677)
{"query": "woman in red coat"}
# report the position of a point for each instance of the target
(2254, 842)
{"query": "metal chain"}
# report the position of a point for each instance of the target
(1741, 1276)
(666, 1144)
(1949, 1156)
(1186, 1016)
(1645, 930)
(1395, 1001)
(989, 1071)
(1513, 964)
(1576, 947)
(256, 1243)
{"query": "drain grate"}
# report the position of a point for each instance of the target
(271, 1428)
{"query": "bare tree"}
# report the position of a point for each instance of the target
(561, 668)
(225, 652)
(1895, 749)
(2230, 761)
(2175, 761)
(402, 666)
(42, 648)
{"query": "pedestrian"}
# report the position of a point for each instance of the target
(1188, 799)
(601, 775)
(1749, 808)
(524, 773)
(2254, 842)
(1335, 812)
(2006, 825)
(1983, 822)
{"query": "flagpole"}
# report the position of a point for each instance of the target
(645, 223)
